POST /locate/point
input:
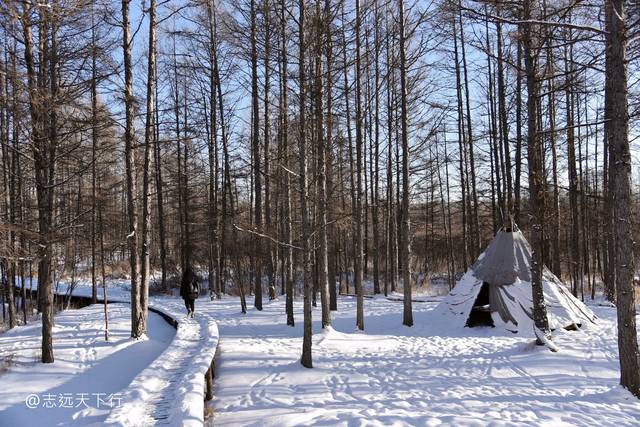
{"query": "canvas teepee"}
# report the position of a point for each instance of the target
(496, 291)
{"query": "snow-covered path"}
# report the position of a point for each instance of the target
(85, 365)
(169, 391)
(162, 388)
(430, 374)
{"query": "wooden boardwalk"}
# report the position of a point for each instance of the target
(164, 393)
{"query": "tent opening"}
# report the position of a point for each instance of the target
(481, 312)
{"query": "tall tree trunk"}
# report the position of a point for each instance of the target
(333, 302)
(407, 317)
(555, 208)
(518, 154)
(536, 178)
(270, 249)
(608, 221)
(359, 191)
(306, 359)
(176, 116)
(226, 173)
(391, 273)
(257, 177)
(213, 220)
(44, 165)
(620, 188)
(287, 184)
(498, 216)
(104, 278)
(159, 189)
(475, 225)
(504, 126)
(347, 101)
(462, 147)
(94, 143)
(149, 136)
(323, 279)
(188, 244)
(137, 323)
(452, 264)
(376, 154)
(574, 255)
(9, 155)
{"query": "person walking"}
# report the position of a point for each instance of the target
(189, 290)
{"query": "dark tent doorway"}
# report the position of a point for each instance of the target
(480, 314)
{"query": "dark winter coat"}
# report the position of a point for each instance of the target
(189, 287)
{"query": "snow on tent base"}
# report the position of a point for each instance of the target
(496, 291)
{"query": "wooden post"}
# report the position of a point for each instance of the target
(208, 377)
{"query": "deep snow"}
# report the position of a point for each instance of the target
(167, 388)
(170, 390)
(84, 364)
(431, 374)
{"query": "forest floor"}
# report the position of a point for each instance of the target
(431, 374)
(83, 384)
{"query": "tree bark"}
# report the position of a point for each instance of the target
(323, 274)
(574, 255)
(288, 233)
(504, 126)
(333, 301)
(94, 143)
(620, 188)
(257, 177)
(407, 317)
(536, 178)
(44, 165)
(518, 154)
(359, 259)
(474, 223)
(159, 190)
(555, 208)
(306, 359)
(149, 136)
(462, 148)
(376, 155)
(131, 187)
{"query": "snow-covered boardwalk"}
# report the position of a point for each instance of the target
(170, 391)
(162, 388)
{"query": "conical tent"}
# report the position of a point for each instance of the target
(496, 291)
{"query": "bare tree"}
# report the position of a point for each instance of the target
(359, 260)
(323, 274)
(536, 178)
(137, 321)
(306, 359)
(620, 188)
(257, 173)
(149, 136)
(407, 318)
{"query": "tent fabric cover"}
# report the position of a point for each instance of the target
(506, 259)
(505, 267)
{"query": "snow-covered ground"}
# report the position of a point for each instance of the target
(431, 374)
(167, 387)
(170, 390)
(85, 381)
